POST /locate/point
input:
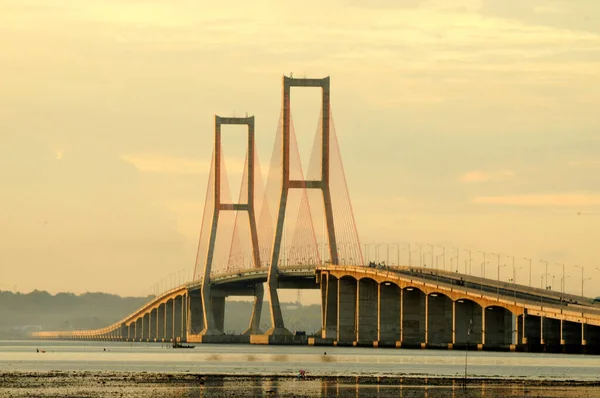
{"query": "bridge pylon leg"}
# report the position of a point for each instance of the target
(254, 326)
(277, 325)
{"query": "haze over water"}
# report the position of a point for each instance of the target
(288, 360)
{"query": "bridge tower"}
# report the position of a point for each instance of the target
(209, 319)
(278, 327)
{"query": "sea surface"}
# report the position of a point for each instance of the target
(288, 360)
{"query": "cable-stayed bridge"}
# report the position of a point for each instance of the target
(297, 231)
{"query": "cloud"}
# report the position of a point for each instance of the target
(570, 199)
(481, 176)
(584, 163)
(166, 165)
(162, 164)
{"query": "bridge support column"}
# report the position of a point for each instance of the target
(153, 324)
(591, 338)
(169, 309)
(413, 317)
(196, 314)
(440, 320)
(519, 329)
(184, 316)
(160, 322)
(423, 345)
(346, 321)
(551, 334)
(139, 328)
(389, 314)
(480, 346)
(453, 323)
(532, 330)
(367, 311)
(218, 308)
(329, 306)
(399, 343)
(254, 325)
(498, 328)
(524, 328)
(570, 337)
(147, 322)
(177, 327)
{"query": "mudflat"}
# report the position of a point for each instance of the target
(145, 384)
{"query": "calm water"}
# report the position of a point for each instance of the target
(287, 360)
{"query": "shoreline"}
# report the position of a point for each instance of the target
(104, 384)
(188, 378)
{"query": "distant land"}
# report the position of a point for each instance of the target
(23, 313)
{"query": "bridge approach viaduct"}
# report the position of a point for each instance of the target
(376, 306)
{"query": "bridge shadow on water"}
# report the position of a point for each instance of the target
(376, 387)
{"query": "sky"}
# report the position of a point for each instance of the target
(462, 123)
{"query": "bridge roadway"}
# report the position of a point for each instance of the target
(381, 306)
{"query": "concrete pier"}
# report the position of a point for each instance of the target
(383, 313)
(413, 318)
(368, 314)
(160, 323)
(498, 327)
(329, 306)
(389, 317)
(346, 321)
(439, 320)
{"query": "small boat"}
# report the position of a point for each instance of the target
(177, 345)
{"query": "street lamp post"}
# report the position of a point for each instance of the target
(581, 266)
(420, 257)
(514, 279)
(469, 273)
(483, 271)
(444, 255)
(562, 283)
(437, 270)
(528, 259)
(397, 246)
(387, 256)
(498, 264)
(457, 257)
(483, 264)
(546, 262)
(513, 266)
(563, 280)
(377, 251)
(431, 247)
(498, 270)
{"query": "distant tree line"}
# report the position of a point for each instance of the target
(22, 313)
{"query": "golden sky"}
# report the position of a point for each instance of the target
(465, 123)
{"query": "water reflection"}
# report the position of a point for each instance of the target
(375, 387)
